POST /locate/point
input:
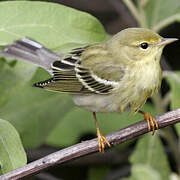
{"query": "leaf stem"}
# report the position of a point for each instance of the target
(173, 145)
(157, 100)
(143, 21)
(132, 8)
(166, 22)
(166, 99)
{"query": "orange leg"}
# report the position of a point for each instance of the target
(102, 141)
(151, 122)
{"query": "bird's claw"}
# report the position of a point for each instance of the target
(102, 141)
(151, 122)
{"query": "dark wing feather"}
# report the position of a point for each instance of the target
(69, 76)
(91, 82)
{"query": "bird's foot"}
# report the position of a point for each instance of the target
(152, 123)
(102, 141)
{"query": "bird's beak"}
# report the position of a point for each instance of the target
(166, 41)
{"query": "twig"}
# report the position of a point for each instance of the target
(111, 158)
(90, 146)
(133, 10)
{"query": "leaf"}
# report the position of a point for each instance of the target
(149, 153)
(52, 24)
(173, 79)
(79, 122)
(162, 13)
(11, 149)
(141, 172)
(35, 112)
(12, 77)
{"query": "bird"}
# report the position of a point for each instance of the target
(107, 77)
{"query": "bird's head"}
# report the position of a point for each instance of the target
(138, 44)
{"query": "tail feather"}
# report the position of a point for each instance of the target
(31, 51)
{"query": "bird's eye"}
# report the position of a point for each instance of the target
(144, 45)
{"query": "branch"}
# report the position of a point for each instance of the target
(90, 146)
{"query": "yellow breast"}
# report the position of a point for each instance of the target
(148, 77)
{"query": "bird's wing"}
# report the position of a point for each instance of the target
(70, 75)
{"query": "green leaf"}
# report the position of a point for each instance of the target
(141, 172)
(79, 122)
(13, 77)
(173, 79)
(160, 13)
(149, 153)
(52, 24)
(12, 154)
(34, 112)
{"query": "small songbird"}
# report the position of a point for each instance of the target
(114, 76)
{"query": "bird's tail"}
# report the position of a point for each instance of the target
(31, 51)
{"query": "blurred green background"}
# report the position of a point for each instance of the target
(48, 121)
